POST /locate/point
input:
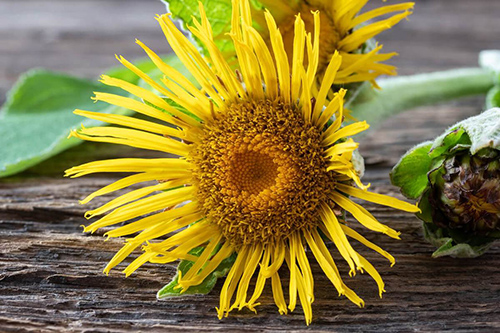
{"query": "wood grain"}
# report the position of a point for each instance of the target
(51, 274)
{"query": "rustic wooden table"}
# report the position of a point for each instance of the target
(51, 273)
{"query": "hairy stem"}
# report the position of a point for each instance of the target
(403, 93)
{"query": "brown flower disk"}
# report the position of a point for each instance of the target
(261, 172)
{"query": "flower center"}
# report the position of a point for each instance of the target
(252, 172)
(260, 172)
(329, 35)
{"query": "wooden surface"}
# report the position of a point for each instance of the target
(51, 273)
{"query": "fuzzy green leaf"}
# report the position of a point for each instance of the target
(38, 115)
(171, 290)
(410, 174)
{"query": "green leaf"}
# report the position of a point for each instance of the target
(493, 98)
(171, 290)
(38, 115)
(410, 174)
(218, 13)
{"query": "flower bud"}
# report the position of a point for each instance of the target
(456, 179)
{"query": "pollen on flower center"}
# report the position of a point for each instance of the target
(252, 171)
(261, 172)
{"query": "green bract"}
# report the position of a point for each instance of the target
(456, 179)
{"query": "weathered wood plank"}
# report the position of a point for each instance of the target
(50, 272)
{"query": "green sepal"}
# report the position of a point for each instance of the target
(410, 174)
(172, 290)
(447, 141)
(356, 92)
(425, 207)
(448, 246)
(436, 169)
(493, 98)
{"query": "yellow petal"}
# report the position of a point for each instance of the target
(380, 199)
(363, 216)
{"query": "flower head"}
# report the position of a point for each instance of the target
(343, 29)
(264, 168)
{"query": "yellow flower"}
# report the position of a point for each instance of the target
(262, 170)
(343, 29)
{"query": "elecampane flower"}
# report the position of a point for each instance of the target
(343, 29)
(261, 169)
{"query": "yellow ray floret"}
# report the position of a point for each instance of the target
(264, 166)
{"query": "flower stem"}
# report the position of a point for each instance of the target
(403, 93)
